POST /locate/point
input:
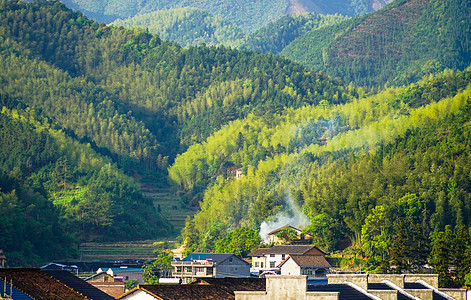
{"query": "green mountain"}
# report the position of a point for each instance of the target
(89, 110)
(186, 26)
(275, 36)
(247, 14)
(397, 45)
(403, 152)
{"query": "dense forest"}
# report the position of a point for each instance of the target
(88, 110)
(361, 171)
(186, 26)
(397, 45)
(106, 106)
(247, 14)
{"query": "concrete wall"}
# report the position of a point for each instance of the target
(385, 295)
(397, 279)
(359, 279)
(458, 294)
(286, 288)
(431, 279)
(422, 294)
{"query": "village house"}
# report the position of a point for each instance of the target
(106, 283)
(314, 266)
(300, 237)
(210, 265)
(268, 260)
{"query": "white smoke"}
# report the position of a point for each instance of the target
(292, 215)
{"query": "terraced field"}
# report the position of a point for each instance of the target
(142, 250)
(168, 203)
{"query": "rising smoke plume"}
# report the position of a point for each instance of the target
(292, 215)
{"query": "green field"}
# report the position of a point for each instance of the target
(123, 250)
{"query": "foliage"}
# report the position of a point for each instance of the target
(247, 14)
(186, 26)
(240, 241)
(130, 284)
(160, 267)
(341, 161)
(287, 234)
(397, 45)
(275, 36)
(452, 248)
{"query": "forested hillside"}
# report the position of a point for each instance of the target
(397, 45)
(361, 171)
(247, 14)
(110, 103)
(186, 26)
(275, 36)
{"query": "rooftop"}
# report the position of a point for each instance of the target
(183, 292)
(308, 261)
(214, 257)
(38, 284)
(284, 227)
(284, 249)
(78, 284)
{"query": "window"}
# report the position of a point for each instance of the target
(272, 264)
(257, 264)
(282, 256)
(306, 272)
(261, 265)
(209, 271)
(272, 255)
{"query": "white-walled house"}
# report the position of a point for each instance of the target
(314, 266)
(269, 259)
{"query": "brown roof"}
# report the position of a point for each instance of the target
(234, 284)
(183, 292)
(280, 229)
(38, 285)
(308, 261)
(284, 249)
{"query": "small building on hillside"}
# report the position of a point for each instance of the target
(267, 260)
(297, 236)
(210, 265)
